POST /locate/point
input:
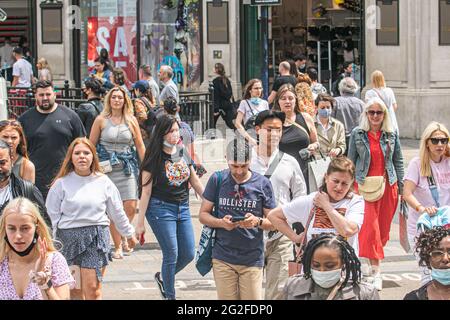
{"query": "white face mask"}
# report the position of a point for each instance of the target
(326, 279)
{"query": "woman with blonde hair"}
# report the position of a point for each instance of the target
(379, 90)
(30, 266)
(427, 180)
(375, 149)
(44, 71)
(11, 132)
(77, 204)
(118, 138)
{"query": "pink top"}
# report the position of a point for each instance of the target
(441, 174)
(60, 275)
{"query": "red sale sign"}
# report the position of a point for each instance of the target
(118, 36)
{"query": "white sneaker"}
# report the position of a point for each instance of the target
(377, 281)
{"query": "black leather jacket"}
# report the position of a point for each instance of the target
(88, 111)
(23, 188)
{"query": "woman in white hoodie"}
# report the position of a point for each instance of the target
(77, 204)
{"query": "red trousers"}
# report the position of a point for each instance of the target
(374, 233)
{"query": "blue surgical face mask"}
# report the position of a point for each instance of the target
(324, 113)
(256, 101)
(441, 275)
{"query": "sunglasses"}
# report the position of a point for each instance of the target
(372, 113)
(435, 141)
(13, 123)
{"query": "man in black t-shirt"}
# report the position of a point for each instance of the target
(285, 77)
(49, 129)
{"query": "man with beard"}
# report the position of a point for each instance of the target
(13, 187)
(49, 129)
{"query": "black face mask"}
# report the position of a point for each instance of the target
(27, 250)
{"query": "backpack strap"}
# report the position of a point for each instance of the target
(216, 198)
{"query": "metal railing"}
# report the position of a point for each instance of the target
(196, 108)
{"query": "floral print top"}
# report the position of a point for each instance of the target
(60, 275)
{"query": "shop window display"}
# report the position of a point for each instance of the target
(171, 35)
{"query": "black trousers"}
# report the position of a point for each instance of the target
(227, 116)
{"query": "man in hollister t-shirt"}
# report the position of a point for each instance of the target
(238, 253)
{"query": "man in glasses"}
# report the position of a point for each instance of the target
(287, 180)
(244, 199)
(12, 186)
(49, 129)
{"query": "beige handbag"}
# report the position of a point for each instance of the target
(373, 188)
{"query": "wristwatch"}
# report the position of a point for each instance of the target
(47, 285)
(260, 222)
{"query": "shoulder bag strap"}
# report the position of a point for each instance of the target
(298, 126)
(273, 166)
(305, 235)
(95, 107)
(433, 188)
(379, 95)
(335, 290)
(251, 109)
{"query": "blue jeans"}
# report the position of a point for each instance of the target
(172, 226)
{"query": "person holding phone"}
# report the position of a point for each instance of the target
(244, 199)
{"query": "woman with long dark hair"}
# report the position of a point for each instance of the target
(222, 97)
(164, 179)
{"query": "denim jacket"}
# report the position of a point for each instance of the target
(129, 159)
(359, 153)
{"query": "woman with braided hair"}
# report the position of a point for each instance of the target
(332, 271)
(433, 248)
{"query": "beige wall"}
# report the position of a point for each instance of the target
(418, 70)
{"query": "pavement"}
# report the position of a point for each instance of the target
(132, 277)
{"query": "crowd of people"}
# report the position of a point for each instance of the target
(125, 151)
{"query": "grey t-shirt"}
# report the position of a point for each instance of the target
(155, 89)
(22, 69)
(170, 90)
(240, 246)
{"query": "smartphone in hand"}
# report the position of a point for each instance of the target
(237, 219)
(142, 239)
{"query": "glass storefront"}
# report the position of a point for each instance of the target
(170, 34)
(109, 24)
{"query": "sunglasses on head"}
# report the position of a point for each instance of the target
(372, 113)
(13, 123)
(436, 141)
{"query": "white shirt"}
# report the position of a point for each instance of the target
(299, 210)
(249, 109)
(6, 54)
(5, 194)
(22, 69)
(286, 179)
(75, 201)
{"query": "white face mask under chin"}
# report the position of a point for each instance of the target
(168, 145)
(326, 279)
